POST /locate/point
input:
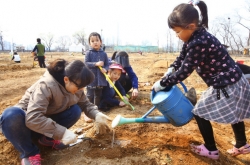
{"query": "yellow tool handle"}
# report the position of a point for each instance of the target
(113, 85)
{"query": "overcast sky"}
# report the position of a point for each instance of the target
(132, 21)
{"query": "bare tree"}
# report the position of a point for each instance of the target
(80, 37)
(63, 42)
(1, 40)
(171, 41)
(224, 28)
(169, 47)
(235, 41)
(48, 40)
(214, 29)
(158, 42)
(240, 22)
(240, 42)
(227, 32)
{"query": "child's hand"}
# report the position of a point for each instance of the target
(99, 63)
(134, 93)
(121, 104)
(104, 70)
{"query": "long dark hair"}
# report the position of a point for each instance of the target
(120, 53)
(113, 56)
(185, 14)
(76, 71)
(122, 58)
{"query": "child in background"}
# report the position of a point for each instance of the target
(16, 57)
(94, 58)
(40, 52)
(129, 79)
(227, 98)
(108, 99)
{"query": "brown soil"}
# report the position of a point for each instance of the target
(134, 144)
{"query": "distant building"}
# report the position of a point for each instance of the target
(132, 48)
(20, 48)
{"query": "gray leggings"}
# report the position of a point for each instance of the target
(94, 94)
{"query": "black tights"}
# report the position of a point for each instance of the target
(208, 136)
(239, 133)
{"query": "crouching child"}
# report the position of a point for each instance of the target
(108, 98)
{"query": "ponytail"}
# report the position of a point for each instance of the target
(57, 69)
(204, 17)
(113, 56)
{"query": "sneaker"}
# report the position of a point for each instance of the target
(237, 151)
(32, 160)
(55, 144)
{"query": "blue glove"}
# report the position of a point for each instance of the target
(157, 86)
(169, 71)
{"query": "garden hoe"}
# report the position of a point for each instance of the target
(112, 84)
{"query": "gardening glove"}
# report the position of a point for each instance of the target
(169, 71)
(157, 86)
(101, 125)
(68, 137)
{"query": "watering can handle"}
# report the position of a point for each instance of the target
(184, 87)
(182, 84)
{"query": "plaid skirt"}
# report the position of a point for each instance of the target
(225, 110)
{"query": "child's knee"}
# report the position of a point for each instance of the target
(13, 115)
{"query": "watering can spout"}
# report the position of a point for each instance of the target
(174, 106)
(119, 120)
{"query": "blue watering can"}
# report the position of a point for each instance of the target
(171, 102)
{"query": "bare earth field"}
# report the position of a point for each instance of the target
(134, 144)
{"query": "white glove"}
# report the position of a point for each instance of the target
(157, 86)
(101, 125)
(169, 71)
(68, 137)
